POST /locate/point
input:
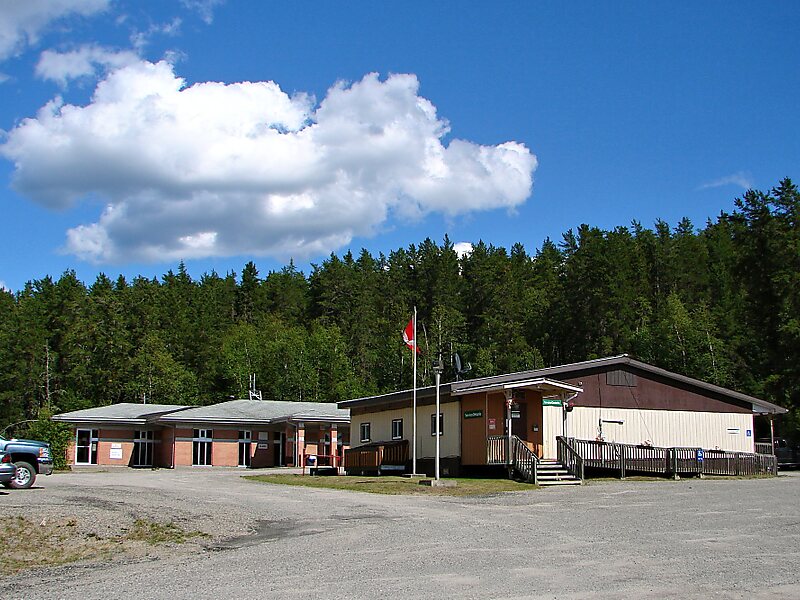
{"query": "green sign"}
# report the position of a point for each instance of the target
(473, 414)
(551, 402)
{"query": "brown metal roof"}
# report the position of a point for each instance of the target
(560, 371)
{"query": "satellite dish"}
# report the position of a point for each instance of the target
(458, 366)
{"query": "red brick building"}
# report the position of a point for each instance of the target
(243, 433)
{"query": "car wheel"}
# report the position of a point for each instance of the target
(25, 477)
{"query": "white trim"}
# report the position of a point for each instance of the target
(539, 383)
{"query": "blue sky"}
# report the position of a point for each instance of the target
(136, 134)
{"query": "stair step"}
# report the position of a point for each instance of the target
(559, 482)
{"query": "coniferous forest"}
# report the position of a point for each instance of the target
(719, 302)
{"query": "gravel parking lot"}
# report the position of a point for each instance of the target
(631, 539)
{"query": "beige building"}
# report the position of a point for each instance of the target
(614, 400)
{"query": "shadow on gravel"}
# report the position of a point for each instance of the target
(271, 531)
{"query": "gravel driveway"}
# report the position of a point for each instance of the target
(631, 539)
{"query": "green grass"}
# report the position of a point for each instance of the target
(397, 485)
(27, 543)
(154, 533)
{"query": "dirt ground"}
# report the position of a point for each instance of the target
(208, 533)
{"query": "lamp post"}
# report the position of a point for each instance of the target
(438, 367)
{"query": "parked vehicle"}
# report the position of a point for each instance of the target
(787, 453)
(7, 468)
(30, 457)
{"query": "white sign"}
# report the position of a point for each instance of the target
(115, 452)
(263, 446)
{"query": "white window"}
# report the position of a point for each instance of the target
(397, 429)
(366, 432)
(201, 447)
(441, 424)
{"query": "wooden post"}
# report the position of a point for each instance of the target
(674, 464)
(621, 450)
(334, 446)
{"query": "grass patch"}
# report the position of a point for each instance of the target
(153, 533)
(27, 543)
(392, 485)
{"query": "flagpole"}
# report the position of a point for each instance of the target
(414, 409)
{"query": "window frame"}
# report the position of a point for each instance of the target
(366, 426)
(397, 435)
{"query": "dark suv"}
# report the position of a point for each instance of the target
(30, 457)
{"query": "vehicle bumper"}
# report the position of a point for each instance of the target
(45, 468)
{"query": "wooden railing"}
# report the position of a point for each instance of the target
(523, 460)
(674, 461)
(496, 450)
(569, 457)
(764, 448)
(377, 455)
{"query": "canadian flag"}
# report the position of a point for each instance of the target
(408, 336)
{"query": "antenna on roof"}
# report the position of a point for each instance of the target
(254, 393)
(459, 368)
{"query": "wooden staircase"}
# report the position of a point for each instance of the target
(551, 472)
(525, 465)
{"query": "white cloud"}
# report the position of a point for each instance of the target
(22, 21)
(205, 8)
(3, 286)
(140, 39)
(85, 61)
(463, 249)
(219, 169)
(742, 179)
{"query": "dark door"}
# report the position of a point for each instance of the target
(519, 420)
(86, 447)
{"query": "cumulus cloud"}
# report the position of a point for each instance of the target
(21, 22)
(83, 62)
(463, 249)
(741, 179)
(217, 169)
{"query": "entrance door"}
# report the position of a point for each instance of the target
(519, 420)
(280, 449)
(143, 449)
(245, 447)
(86, 446)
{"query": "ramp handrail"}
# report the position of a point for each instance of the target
(569, 457)
(523, 460)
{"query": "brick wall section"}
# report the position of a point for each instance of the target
(183, 448)
(225, 450)
(163, 450)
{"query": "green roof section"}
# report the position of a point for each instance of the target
(123, 412)
(260, 411)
